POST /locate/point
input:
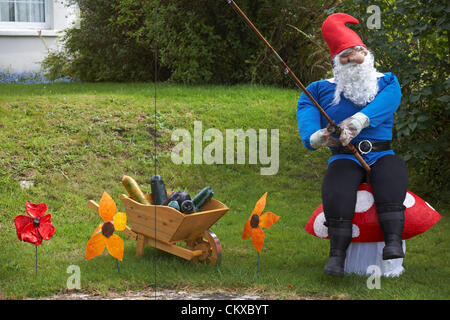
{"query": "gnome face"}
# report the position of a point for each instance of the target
(355, 76)
(353, 55)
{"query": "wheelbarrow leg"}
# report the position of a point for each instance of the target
(140, 245)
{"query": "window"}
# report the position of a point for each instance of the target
(24, 14)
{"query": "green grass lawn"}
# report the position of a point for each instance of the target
(74, 141)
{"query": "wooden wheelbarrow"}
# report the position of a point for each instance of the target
(165, 228)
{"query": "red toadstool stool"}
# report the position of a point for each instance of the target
(419, 217)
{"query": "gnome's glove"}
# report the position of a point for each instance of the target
(352, 126)
(323, 138)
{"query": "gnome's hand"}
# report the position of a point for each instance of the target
(352, 126)
(323, 138)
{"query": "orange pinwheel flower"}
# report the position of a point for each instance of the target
(257, 220)
(103, 235)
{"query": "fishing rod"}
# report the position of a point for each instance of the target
(332, 127)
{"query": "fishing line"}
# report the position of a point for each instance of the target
(155, 127)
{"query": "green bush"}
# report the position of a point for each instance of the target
(200, 41)
(413, 44)
(100, 50)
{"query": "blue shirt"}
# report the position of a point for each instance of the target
(380, 113)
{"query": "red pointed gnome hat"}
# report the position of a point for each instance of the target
(337, 35)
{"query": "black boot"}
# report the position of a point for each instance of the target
(340, 232)
(392, 224)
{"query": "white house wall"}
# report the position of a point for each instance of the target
(22, 50)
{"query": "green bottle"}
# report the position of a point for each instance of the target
(202, 197)
(159, 193)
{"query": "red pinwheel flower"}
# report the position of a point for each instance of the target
(36, 228)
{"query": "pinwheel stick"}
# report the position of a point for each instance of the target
(257, 265)
(36, 261)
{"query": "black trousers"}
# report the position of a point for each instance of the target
(389, 180)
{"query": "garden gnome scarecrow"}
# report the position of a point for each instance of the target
(362, 101)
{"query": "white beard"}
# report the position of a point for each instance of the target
(358, 82)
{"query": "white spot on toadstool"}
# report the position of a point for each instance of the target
(319, 228)
(355, 231)
(364, 201)
(409, 200)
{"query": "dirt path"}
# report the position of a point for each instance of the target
(149, 294)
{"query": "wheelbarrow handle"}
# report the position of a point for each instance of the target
(93, 205)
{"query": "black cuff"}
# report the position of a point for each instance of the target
(390, 207)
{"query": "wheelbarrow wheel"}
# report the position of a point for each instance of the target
(211, 247)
